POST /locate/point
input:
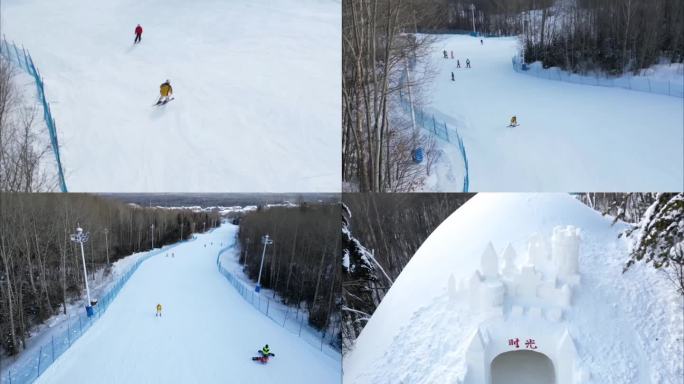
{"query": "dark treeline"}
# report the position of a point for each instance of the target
(381, 232)
(613, 36)
(300, 266)
(41, 269)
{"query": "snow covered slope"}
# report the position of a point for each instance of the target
(257, 87)
(571, 137)
(622, 328)
(208, 332)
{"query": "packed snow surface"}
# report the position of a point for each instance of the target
(571, 137)
(256, 83)
(207, 333)
(627, 328)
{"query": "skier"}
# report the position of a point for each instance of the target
(159, 308)
(458, 63)
(452, 76)
(138, 34)
(514, 121)
(265, 353)
(452, 55)
(481, 42)
(445, 54)
(165, 91)
(467, 63)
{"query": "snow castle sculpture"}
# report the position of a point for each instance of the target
(527, 300)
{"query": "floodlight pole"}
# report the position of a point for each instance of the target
(80, 237)
(414, 132)
(106, 231)
(266, 241)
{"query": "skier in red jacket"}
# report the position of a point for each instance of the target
(138, 34)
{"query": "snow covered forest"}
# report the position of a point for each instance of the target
(612, 36)
(300, 265)
(382, 232)
(41, 272)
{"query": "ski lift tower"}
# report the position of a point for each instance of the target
(81, 237)
(266, 241)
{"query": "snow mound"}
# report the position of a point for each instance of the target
(550, 283)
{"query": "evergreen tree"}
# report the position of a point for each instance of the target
(358, 299)
(660, 237)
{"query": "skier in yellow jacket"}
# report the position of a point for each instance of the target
(165, 92)
(514, 121)
(159, 308)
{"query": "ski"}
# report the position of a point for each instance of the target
(163, 102)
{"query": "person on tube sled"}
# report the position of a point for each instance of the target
(264, 353)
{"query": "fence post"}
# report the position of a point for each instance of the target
(53, 348)
(301, 324)
(446, 132)
(286, 313)
(69, 332)
(434, 124)
(268, 305)
(40, 356)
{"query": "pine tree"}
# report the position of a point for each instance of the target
(660, 237)
(358, 301)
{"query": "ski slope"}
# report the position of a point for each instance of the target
(626, 328)
(256, 83)
(207, 334)
(571, 137)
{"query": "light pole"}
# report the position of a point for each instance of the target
(106, 231)
(152, 230)
(472, 9)
(266, 241)
(82, 237)
(523, 39)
